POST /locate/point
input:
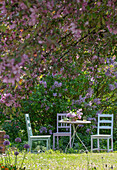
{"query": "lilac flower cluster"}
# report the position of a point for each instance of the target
(75, 115)
(44, 83)
(91, 118)
(56, 84)
(97, 101)
(43, 129)
(46, 129)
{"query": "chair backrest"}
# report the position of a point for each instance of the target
(65, 126)
(28, 125)
(105, 121)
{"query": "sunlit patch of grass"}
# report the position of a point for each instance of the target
(60, 161)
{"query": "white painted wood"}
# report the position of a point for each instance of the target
(75, 122)
(60, 125)
(99, 136)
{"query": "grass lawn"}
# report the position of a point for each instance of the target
(61, 161)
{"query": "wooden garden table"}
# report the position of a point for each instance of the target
(73, 123)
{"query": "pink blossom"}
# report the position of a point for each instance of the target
(12, 26)
(23, 6)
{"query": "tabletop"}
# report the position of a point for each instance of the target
(75, 122)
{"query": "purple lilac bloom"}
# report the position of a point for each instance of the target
(82, 99)
(94, 127)
(16, 153)
(88, 130)
(80, 125)
(91, 118)
(111, 87)
(56, 83)
(54, 94)
(40, 131)
(44, 83)
(26, 146)
(60, 95)
(97, 101)
(42, 105)
(50, 126)
(90, 92)
(6, 142)
(94, 107)
(108, 73)
(77, 102)
(18, 140)
(6, 136)
(115, 84)
(47, 108)
(45, 92)
(53, 87)
(60, 84)
(43, 129)
(50, 132)
(99, 112)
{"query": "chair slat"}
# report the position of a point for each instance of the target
(105, 115)
(105, 127)
(61, 126)
(105, 121)
(33, 138)
(104, 136)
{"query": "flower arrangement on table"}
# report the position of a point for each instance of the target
(5, 163)
(74, 115)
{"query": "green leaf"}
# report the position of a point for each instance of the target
(103, 21)
(3, 28)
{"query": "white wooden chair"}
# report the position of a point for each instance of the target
(32, 138)
(103, 123)
(61, 126)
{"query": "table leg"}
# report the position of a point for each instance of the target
(73, 137)
(75, 129)
(70, 140)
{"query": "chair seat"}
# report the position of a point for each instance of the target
(62, 134)
(41, 137)
(101, 136)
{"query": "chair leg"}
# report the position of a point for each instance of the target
(53, 142)
(112, 144)
(91, 144)
(47, 143)
(98, 144)
(70, 141)
(107, 145)
(30, 145)
(57, 142)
